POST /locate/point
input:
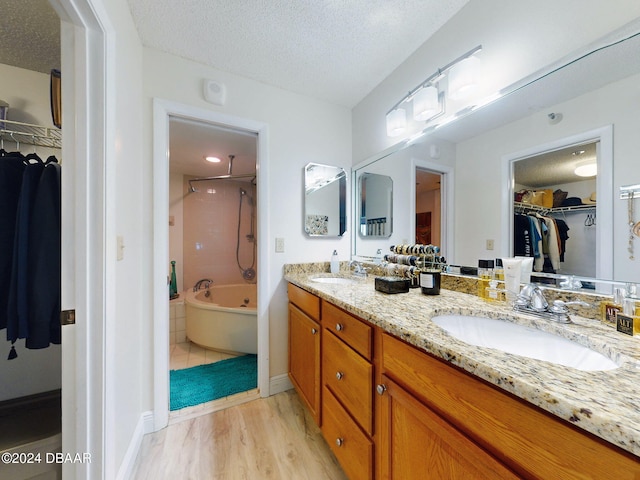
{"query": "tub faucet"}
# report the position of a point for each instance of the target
(205, 281)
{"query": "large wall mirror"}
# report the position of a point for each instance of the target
(325, 195)
(375, 205)
(597, 90)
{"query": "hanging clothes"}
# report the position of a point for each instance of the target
(30, 248)
(563, 234)
(45, 261)
(11, 171)
(21, 285)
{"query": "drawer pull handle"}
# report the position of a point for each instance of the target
(339, 375)
(339, 327)
(314, 331)
(339, 442)
(381, 389)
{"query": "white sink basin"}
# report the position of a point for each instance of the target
(334, 280)
(525, 341)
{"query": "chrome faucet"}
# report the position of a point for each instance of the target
(205, 281)
(358, 269)
(531, 300)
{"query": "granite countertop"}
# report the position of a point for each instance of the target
(605, 403)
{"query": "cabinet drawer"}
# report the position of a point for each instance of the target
(352, 448)
(350, 378)
(347, 327)
(532, 442)
(305, 301)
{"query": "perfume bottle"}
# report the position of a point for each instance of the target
(485, 275)
(610, 308)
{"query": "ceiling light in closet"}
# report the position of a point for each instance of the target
(586, 169)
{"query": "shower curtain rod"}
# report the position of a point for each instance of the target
(219, 177)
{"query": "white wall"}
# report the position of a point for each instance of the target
(128, 214)
(481, 158)
(518, 38)
(34, 371)
(301, 130)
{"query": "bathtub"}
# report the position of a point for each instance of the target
(226, 320)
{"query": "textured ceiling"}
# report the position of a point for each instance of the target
(30, 35)
(335, 50)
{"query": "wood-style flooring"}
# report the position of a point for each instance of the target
(269, 438)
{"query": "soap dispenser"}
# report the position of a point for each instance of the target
(335, 264)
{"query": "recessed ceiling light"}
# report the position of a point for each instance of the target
(587, 169)
(212, 159)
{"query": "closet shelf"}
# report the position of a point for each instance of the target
(526, 207)
(29, 134)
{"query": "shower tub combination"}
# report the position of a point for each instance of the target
(225, 319)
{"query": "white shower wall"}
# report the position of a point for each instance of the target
(204, 232)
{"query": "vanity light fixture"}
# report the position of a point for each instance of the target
(463, 78)
(396, 122)
(426, 103)
(586, 169)
(427, 97)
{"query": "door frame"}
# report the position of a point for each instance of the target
(87, 62)
(446, 202)
(604, 188)
(162, 111)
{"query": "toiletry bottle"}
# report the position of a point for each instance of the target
(495, 294)
(173, 284)
(485, 275)
(628, 321)
(499, 270)
(430, 281)
(610, 308)
(335, 264)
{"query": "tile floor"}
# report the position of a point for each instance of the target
(186, 355)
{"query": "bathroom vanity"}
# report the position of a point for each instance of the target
(398, 397)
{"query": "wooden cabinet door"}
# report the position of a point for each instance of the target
(304, 358)
(416, 443)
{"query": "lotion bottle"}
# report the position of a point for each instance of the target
(335, 264)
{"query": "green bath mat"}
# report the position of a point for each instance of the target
(196, 385)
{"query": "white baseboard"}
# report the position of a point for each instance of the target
(144, 426)
(279, 384)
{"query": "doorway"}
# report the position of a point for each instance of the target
(432, 221)
(213, 256)
(602, 140)
(164, 113)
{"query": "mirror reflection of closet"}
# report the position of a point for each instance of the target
(559, 185)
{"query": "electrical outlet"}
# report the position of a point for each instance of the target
(490, 244)
(279, 245)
